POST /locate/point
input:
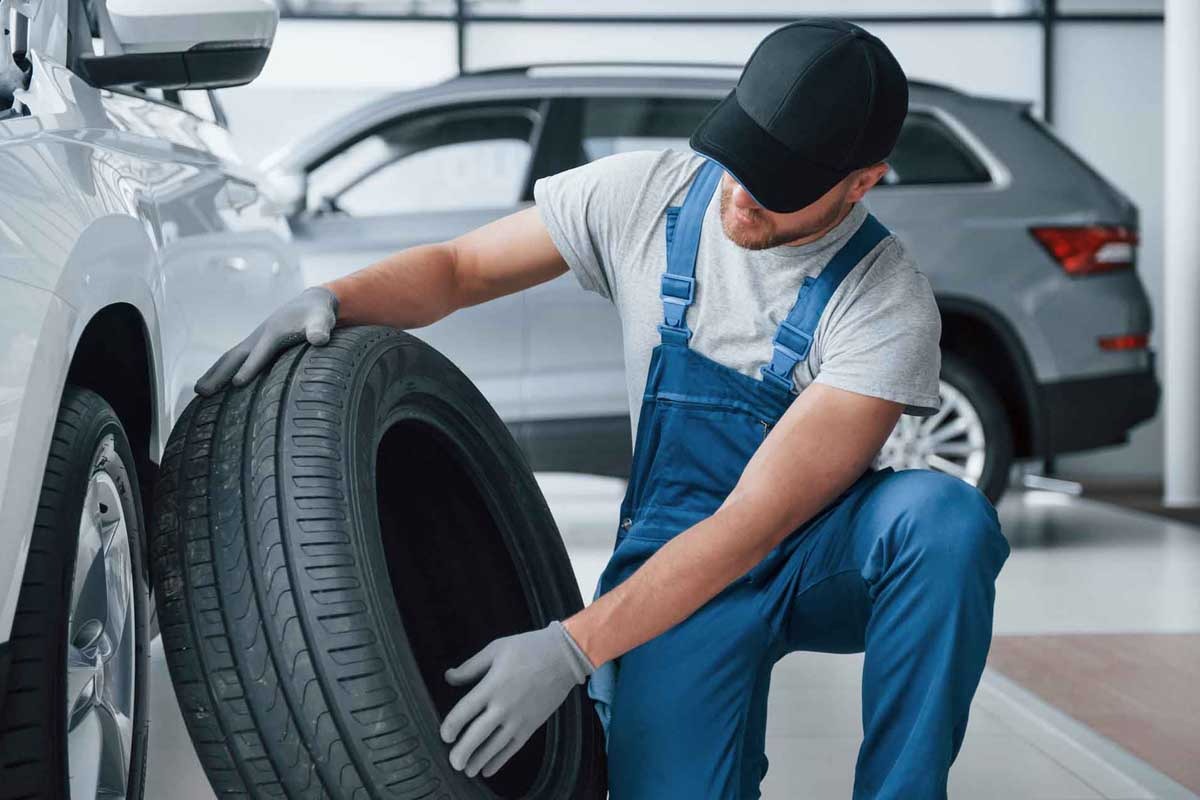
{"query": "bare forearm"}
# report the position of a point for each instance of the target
(420, 285)
(683, 575)
(410, 289)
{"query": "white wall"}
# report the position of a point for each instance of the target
(319, 69)
(1108, 106)
(1107, 97)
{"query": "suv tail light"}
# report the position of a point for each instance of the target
(1089, 249)
(1125, 341)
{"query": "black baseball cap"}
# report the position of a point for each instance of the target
(818, 99)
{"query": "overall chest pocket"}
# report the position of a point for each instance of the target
(701, 451)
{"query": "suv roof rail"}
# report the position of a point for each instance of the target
(585, 66)
(593, 66)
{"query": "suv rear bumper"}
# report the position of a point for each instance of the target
(1096, 412)
(5, 663)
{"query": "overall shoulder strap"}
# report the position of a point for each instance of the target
(795, 334)
(678, 287)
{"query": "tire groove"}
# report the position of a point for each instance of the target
(183, 600)
(285, 534)
(229, 494)
(259, 449)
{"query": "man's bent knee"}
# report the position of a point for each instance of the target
(945, 524)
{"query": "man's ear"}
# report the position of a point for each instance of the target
(865, 178)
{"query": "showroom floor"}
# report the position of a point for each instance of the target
(1080, 572)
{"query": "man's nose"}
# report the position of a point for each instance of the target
(740, 197)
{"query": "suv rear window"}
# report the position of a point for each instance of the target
(927, 152)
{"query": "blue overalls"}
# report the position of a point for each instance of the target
(901, 565)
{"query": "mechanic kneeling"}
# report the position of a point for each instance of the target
(774, 333)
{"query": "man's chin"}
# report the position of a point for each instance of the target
(749, 239)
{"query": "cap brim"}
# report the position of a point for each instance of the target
(777, 178)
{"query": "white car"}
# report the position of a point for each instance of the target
(127, 224)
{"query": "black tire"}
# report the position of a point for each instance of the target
(997, 433)
(330, 538)
(87, 438)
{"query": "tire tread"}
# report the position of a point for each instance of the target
(229, 575)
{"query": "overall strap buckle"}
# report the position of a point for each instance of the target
(792, 341)
(678, 287)
(677, 293)
(679, 336)
(790, 346)
(794, 337)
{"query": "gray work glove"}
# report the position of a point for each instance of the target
(525, 678)
(310, 315)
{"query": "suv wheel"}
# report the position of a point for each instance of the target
(969, 436)
(74, 721)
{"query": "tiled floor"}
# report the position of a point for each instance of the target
(1076, 566)
(1138, 689)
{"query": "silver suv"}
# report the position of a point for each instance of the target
(127, 229)
(1031, 254)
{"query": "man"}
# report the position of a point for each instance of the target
(774, 333)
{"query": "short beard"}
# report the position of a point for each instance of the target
(764, 235)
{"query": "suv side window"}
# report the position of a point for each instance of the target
(469, 157)
(620, 124)
(927, 152)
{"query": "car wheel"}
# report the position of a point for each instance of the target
(968, 437)
(330, 538)
(75, 708)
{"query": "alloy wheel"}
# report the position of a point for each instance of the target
(101, 641)
(951, 440)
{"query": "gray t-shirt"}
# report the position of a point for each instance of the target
(878, 335)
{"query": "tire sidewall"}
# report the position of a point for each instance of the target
(997, 432)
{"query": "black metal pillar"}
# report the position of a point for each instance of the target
(1049, 18)
(460, 32)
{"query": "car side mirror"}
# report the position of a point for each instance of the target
(287, 191)
(180, 44)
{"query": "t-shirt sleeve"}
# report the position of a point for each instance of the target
(587, 211)
(886, 343)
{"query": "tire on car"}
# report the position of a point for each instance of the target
(981, 402)
(329, 539)
(75, 704)
(971, 431)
